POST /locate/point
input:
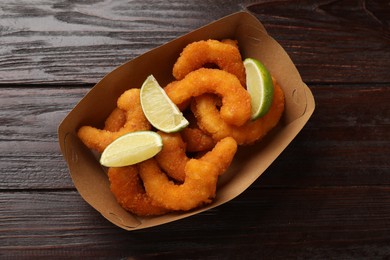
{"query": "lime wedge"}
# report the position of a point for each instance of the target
(260, 87)
(131, 148)
(159, 109)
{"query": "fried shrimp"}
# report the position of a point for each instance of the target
(201, 176)
(172, 158)
(231, 42)
(225, 55)
(206, 111)
(115, 121)
(197, 140)
(236, 106)
(209, 88)
(128, 190)
(198, 189)
(99, 139)
(222, 154)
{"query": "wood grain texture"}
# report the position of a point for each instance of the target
(332, 41)
(319, 224)
(346, 141)
(327, 196)
(79, 42)
(30, 156)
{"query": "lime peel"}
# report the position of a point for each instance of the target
(260, 87)
(131, 148)
(159, 109)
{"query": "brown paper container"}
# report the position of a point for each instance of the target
(250, 162)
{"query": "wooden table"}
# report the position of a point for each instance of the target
(326, 196)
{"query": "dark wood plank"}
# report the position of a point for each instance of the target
(262, 222)
(346, 142)
(332, 41)
(75, 42)
(30, 155)
(327, 196)
(79, 42)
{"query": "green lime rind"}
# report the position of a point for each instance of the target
(131, 148)
(260, 87)
(159, 109)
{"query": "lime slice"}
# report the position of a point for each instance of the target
(131, 148)
(260, 87)
(159, 109)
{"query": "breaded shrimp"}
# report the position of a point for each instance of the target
(209, 119)
(115, 121)
(172, 158)
(127, 188)
(198, 189)
(197, 140)
(222, 154)
(225, 55)
(236, 106)
(129, 101)
(201, 176)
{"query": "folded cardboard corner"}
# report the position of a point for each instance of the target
(89, 176)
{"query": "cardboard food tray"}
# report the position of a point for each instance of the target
(250, 162)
